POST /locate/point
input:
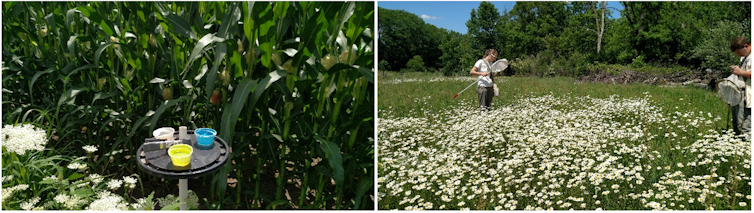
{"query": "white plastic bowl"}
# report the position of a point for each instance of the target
(164, 133)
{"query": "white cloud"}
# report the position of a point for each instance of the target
(425, 16)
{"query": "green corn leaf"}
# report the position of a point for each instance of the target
(162, 109)
(69, 17)
(332, 154)
(120, 118)
(199, 49)
(36, 76)
(309, 35)
(70, 95)
(138, 123)
(181, 26)
(276, 203)
(345, 12)
(232, 112)
(88, 66)
(236, 64)
(103, 96)
(222, 49)
(71, 43)
(243, 89)
(123, 85)
(94, 16)
(99, 51)
(367, 73)
(230, 21)
(220, 180)
(355, 25)
(364, 185)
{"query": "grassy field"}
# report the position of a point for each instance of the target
(551, 143)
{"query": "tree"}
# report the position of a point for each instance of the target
(482, 25)
(457, 54)
(403, 35)
(600, 23)
(714, 50)
(416, 64)
(398, 40)
(665, 32)
(527, 26)
(432, 37)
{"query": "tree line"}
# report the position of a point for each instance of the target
(569, 38)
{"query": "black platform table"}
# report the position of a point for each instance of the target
(204, 160)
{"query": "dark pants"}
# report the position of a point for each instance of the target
(741, 119)
(485, 97)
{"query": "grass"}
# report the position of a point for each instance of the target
(550, 143)
(512, 88)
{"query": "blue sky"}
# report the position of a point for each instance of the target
(452, 15)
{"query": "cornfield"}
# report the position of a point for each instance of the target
(288, 85)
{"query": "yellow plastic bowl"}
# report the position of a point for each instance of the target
(180, 154)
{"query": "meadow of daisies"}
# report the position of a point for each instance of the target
(556, 144)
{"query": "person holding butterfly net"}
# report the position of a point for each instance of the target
(741, 46)
(485, 85)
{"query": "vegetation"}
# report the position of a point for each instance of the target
(551, 143)
(564, 37)
(288, 85)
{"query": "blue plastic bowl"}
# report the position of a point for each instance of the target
(205, 136)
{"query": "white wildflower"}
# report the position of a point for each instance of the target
(96, 178)
(28, 205)
(20, 139)
(114, 184)
(61, 198)
(130, 182)
(108, 203)
(77, 166)
(8, 191)
(89, 148)
(7, 178)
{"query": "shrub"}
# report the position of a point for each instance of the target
(714, 50)
(416, 64)
(383, 66)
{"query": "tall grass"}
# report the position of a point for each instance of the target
(441, 90)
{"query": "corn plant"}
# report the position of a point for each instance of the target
(288, 85)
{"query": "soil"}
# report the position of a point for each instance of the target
(699, 78)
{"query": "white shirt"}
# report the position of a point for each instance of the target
(482, 66)
(746, 66)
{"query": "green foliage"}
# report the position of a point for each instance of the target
(714, 50)
(416, 64)
(667, 32)
(534, 65)
(39, 180)
(657, 34)
(404, 35)
(101, 73)
(458, 56)
(383, 65)
(482, 26)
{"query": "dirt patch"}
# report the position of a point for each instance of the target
(698, 78)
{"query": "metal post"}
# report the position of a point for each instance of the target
(182, 192)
